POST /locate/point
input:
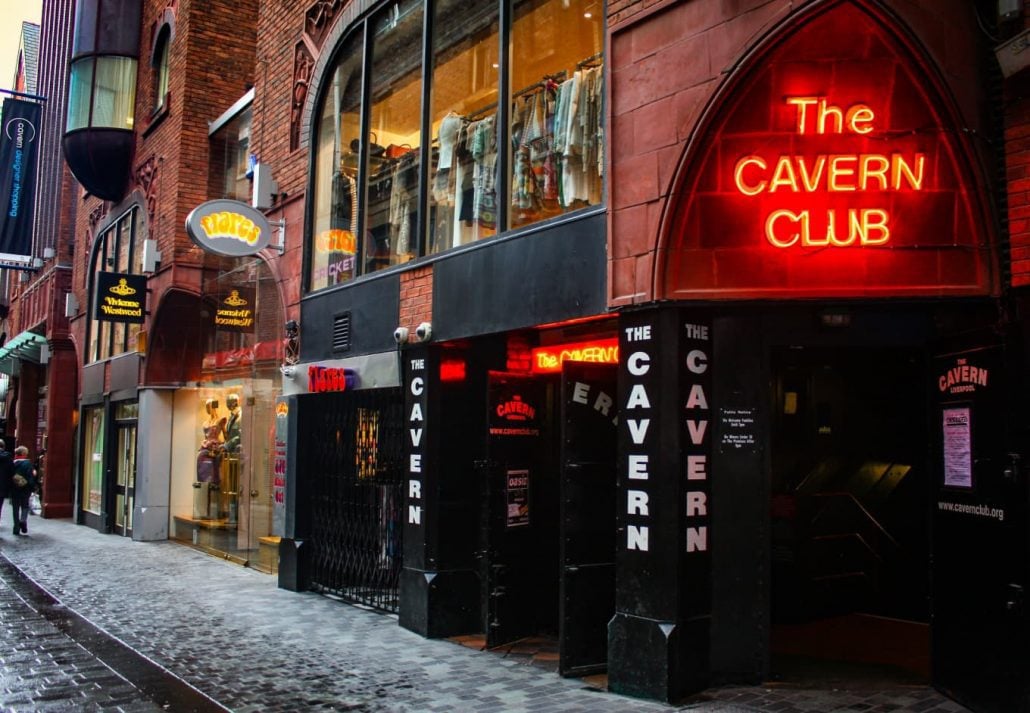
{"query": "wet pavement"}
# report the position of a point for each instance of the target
(97, 622)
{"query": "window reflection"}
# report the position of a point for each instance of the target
(556, 80)
(335, 224)
(462, 187)
(395, 119)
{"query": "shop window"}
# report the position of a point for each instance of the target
(230, 158)
(118, 249)
(93, 460)
(486, 171)
(395, 120)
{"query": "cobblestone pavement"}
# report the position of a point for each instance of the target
(189, 630)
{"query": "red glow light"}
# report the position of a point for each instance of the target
(452, 370)
(549, 359)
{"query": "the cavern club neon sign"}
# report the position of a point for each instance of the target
(550, 359)
(829, 173)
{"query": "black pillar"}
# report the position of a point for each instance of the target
(658, 641)
(439, 592)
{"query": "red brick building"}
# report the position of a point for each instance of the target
(688, 333)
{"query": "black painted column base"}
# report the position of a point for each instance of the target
(293, 565)
(441, 603)
(660, 660)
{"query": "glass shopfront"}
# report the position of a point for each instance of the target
(396, 178)
(223, 422)
(221, 486)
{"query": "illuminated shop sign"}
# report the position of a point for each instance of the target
(834, 166)
(228, 228)
(323, 379)
(235, 311)
(550, 359)
(120, 298)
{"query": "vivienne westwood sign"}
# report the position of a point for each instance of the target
(229, 228)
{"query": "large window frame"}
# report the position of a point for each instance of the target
(116, 248)
(359, 40)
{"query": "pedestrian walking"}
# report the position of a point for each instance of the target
(6, 471)
(23, 483)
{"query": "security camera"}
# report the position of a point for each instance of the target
(424, 331)
(400, 335)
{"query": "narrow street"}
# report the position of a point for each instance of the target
(98, 622)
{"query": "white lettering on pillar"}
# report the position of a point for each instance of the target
(638, 419)
(416, 424)
(696, 364)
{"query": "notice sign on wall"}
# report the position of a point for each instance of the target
(120, 298)
(958, 452)
(235, 311)
(517, 497)
(737, 429)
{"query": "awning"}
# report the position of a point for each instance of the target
(27, 346)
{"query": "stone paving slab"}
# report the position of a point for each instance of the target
(231, 633)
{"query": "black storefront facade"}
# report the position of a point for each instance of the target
(820, 432)
(808, 454)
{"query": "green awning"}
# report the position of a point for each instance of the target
(27, 346)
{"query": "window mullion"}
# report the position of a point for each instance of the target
(366, 101)
(504, 115)
(426, 149)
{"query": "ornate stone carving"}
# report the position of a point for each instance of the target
(95, 216)
(146, 180)
(303, 63)
(319, 18)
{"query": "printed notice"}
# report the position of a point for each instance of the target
(518, 498)
(738, 429)
(958, 455)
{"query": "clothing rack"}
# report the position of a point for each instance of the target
(593, 60)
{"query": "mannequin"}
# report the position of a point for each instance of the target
(209, 456)
(232, 426)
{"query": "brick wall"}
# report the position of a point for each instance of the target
(416, 298)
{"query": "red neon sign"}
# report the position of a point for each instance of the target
(754, 175)
(835, 168)
(550, 359)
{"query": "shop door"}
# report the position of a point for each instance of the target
(980, 651)
(587, 519)
(513, 556)
(125, 477)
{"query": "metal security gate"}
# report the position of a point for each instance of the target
(353, 455)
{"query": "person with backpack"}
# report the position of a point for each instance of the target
(23, 483)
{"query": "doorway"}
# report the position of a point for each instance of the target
(849, 524)
(548, 526)
(124, 487)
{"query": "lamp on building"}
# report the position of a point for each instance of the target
(71, 305)
(48, 253)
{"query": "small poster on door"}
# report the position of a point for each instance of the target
(517, 497)
(958, 454)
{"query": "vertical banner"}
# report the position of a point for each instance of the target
(19, 148)
(279, 469)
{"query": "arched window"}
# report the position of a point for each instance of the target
(159, 63)
(507, 134)
(118, 248)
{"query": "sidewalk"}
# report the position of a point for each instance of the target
(230, 633)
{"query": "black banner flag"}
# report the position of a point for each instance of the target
(19, 151)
